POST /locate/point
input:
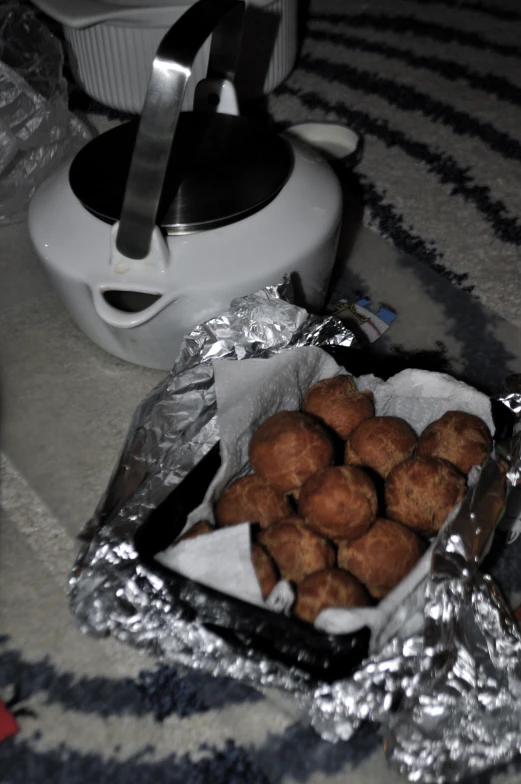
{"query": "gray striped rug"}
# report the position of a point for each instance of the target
(434, 88)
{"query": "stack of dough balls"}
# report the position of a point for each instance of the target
(347, 530)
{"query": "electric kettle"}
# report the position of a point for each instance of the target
(157, 224)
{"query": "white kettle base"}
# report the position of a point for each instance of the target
(296, 234)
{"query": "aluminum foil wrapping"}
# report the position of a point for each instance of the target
(446, 691)
(110, 591)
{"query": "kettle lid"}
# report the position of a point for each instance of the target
(222, 168)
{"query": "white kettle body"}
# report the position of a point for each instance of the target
(135, 288)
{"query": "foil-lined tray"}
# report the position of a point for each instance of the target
(447, 698)
(324, 656)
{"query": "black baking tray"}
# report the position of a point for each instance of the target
(245, 626)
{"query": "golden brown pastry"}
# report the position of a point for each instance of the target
(339, 502)
(326, 400)
(328, 588)
(287, 448)
(296, 549)
(265, 569)
(421, 491)
(202, 527)
(337, 403)
(382, 557)
(380, 443)
(251, 500)
(462, 439)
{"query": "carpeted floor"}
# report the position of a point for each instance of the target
(434, 88)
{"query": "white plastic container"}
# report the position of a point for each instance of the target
(112, 46)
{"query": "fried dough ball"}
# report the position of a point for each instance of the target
(287, 448)
(251, 500)
(337, 403)
(421, 491)
(202, 527)
(327, 400)
(380, 443)
(265, 569)
(339, 502)
(382, 557)
(462, 439)
(328, 588)
(296, 549)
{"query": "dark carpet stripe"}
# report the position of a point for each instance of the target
(296, 754)
(408, 24)
(166, 691)
(20, 763)
(486, 82)
(443, 166)
(391, 225)
(503, 14)
(409, 99)
(280, 758)
(161, 692)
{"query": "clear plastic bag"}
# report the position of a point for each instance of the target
(37, 131)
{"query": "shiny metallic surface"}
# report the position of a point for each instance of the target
(171, 70)
(513, 401)
(170, 432)
(447, 698)
(443, 679)
(230, 168)
(225, 169)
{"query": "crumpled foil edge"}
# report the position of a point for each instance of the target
(446, 696)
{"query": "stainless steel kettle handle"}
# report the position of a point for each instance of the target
(171, 70)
